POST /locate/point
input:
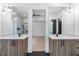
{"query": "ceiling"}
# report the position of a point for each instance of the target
(22, 8)
(54, 10)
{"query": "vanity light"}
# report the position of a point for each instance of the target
(69, 11)
(69, 8)
(4, 8)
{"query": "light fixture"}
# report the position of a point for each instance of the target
(69, 8)
(3, 11)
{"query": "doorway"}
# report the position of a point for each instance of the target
(38, 30)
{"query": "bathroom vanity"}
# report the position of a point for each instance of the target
(65, 40)
(63, 45)
(13, 45)
(13, 33)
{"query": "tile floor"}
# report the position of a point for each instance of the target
(38, 43)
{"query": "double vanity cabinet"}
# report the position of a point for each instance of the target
(63, 46)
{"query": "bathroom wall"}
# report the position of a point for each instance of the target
(68, 21)
(38, 28)
(6, 21)
(67, 18)
(0, 19)
(38, 23)
(77, 20)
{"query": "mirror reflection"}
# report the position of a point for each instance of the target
(62, 20)
(11, 22)
(20, 25)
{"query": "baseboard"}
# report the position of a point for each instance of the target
(28, 54)
(47, 54)
(37, 52)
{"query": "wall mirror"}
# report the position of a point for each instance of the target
(62, 20)
(13, 21)
(20, 24)
(6, 25)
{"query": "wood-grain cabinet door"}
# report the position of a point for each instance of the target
(70, 47)
(54, 47)
(18, 48)
(51, 47)
(64, 48)
(13, 47)
(4, 48)
(61, 47)
(76, 47)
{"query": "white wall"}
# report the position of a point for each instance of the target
(38, 28)
(46, 32)
(77, 20)
(6, 19)
(30, 30)
(14, 25)
(68, 22)
(7, 22)
(0, 19)
(38, 23)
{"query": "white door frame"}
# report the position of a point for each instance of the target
(30, 30)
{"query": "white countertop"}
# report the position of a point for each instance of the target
(63, 37)
(23, 36)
